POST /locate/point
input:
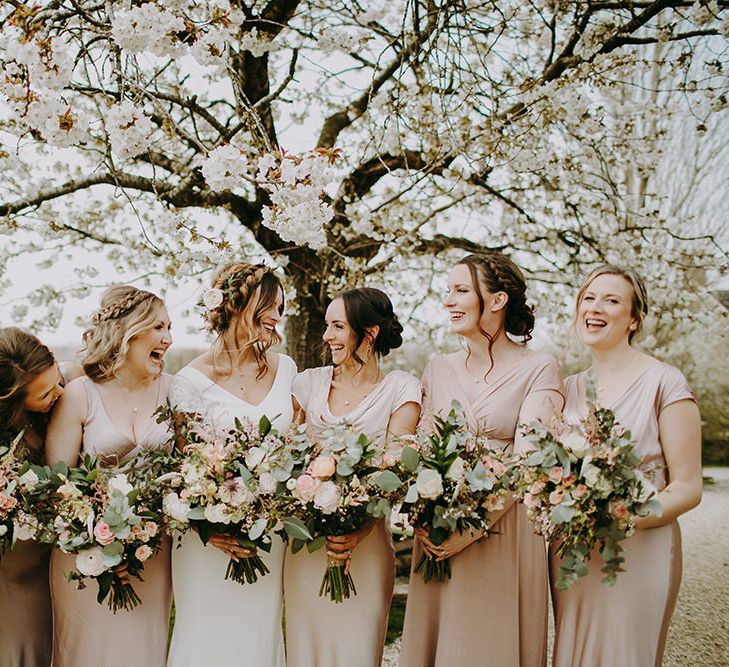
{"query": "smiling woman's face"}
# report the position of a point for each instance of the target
(44, 390)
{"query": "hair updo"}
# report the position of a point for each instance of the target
(239, 283)
(367, 307)
(498, 273)
(23, 357)
(124, 312)
(639, 304)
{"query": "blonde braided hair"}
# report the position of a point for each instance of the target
(124, 312)
(248, 291)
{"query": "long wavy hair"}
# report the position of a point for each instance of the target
(240, 284)
(23, 357)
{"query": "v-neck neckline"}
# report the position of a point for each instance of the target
(138, 441)
(375, 389)
(582, 389)
(238, 398)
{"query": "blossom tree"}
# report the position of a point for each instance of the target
(346, 139)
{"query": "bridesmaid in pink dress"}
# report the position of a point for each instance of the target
(493, 611)
(109, 414)
(625, 625)
(30, 384)
(361, 328)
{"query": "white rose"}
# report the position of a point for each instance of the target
(457, 470)
(28, 479)
(120, 483)
(326, 497)
(213, 298)
(429, 483)
(217, 514)
(3, 529)
(267, 483)
(254, 456)
(176, 508)
(23, 531)
(90, 562)
(574, 442)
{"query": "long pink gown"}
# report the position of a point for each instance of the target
(493, 610)
(26, 619)
(86, 633)
(625, 625)
(318, 631)
(26, 622)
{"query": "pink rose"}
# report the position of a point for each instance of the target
(537, 487)
(151, 528)
(579, 491)
(569, 480)
(306, 487)
(555, 474)
(618, 509)
(322, 467)
(143, 553)
(555, 498)
(103, 533)
(530, 500)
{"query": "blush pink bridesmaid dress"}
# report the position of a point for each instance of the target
(625, 625)
(493, 610)
(86, 633)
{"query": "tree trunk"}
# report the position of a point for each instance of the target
(305, 328)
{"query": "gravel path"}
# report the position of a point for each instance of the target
(699, 632)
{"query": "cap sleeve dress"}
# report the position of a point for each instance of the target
(625, 625)
(318, 631)
(86, 633)
(493, 610)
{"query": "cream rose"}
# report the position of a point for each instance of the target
(217, 514)
(306, 487)
(326, 497)
(429, 483)
(322, 467)
(175, 507)
(267, 483)
(213, 298)
(234, 492)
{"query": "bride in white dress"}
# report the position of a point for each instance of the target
(220, 622)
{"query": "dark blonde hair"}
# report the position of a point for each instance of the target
(124, 312)
(639, 304)
(498, 273)
(240, 283)
(23, 357)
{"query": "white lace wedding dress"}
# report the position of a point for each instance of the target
(222, 623)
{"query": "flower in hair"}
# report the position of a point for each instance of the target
(213, 298)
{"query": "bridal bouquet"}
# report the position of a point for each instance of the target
(227, 482)
(582, 489)
(103, 518)
(455, 480)
(12, 480)
(340, 486)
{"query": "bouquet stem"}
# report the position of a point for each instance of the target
(336, 584)
(433, 570)
(246, 570)
(122, 596)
